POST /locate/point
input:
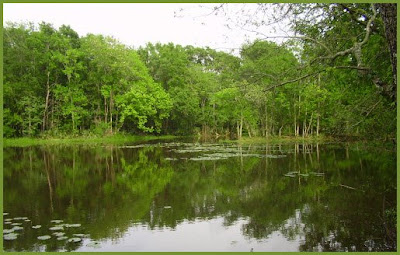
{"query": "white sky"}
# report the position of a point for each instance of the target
(135, 24)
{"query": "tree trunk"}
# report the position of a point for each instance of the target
(298, 125)
(241, 125)
(203, 124)
(46, 106)
(389, 17)
(309, 125)
(266, 120)
(73, 115)
(105, 111)
(29, 127)
(295, 121)
(237, 130)
(248, 128)
(111, 110)
(319, 105)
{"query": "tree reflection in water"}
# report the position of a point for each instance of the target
(349, 206)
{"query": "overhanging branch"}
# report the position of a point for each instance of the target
(294, 80)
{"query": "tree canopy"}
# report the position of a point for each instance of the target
(334, 76)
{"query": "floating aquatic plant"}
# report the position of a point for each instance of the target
(294, 174)
(79, 235)
(10, 236)
(94, 244)
(56, 228)
(36, 226)
(74, 240)
(171, 159)
(8, 230)
(19, 218)
(16, 224)
(8, 219)
(291, 174)
(16, 228)
(46, 237)
(136, 146)
(60, 238)
(56, 221)
(317, 174)
(275, 156)
(5, 213)
(7, 222)
(72, 225)
(58, 234)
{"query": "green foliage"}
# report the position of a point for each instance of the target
(57, 83)
(145, 105)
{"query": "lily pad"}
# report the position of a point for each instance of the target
(24, 218)
(16, 224)
(58, 234)
(94, 244)
(7, 222)
(27, 220)
(56, 221)
(8, 230)
(5, 213)
(56, 228)
(167, 207)
(172, 159)
(74, 240)
(317, 174)
(18, 218)
(10, 236)
(36, 226)
(79, 235)
(60, 238)
(8, 219)
(17, 228)
(275, 156)
(72, 225)
(46, 237)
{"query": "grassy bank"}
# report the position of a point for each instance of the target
(112, 139)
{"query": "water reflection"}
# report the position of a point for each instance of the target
(186, 197)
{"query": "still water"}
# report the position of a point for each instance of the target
(182, 196)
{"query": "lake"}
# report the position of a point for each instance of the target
(189, 196)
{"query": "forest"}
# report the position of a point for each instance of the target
(335, 78)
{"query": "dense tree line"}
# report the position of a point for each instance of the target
(57, 83)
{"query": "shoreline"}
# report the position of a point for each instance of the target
(120, 139)
(112, 139)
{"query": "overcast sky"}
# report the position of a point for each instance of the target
(135, 24)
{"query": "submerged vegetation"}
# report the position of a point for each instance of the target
(57, 83)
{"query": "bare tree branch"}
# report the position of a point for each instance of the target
(294, 80)
(366, 115)
(361, 68)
